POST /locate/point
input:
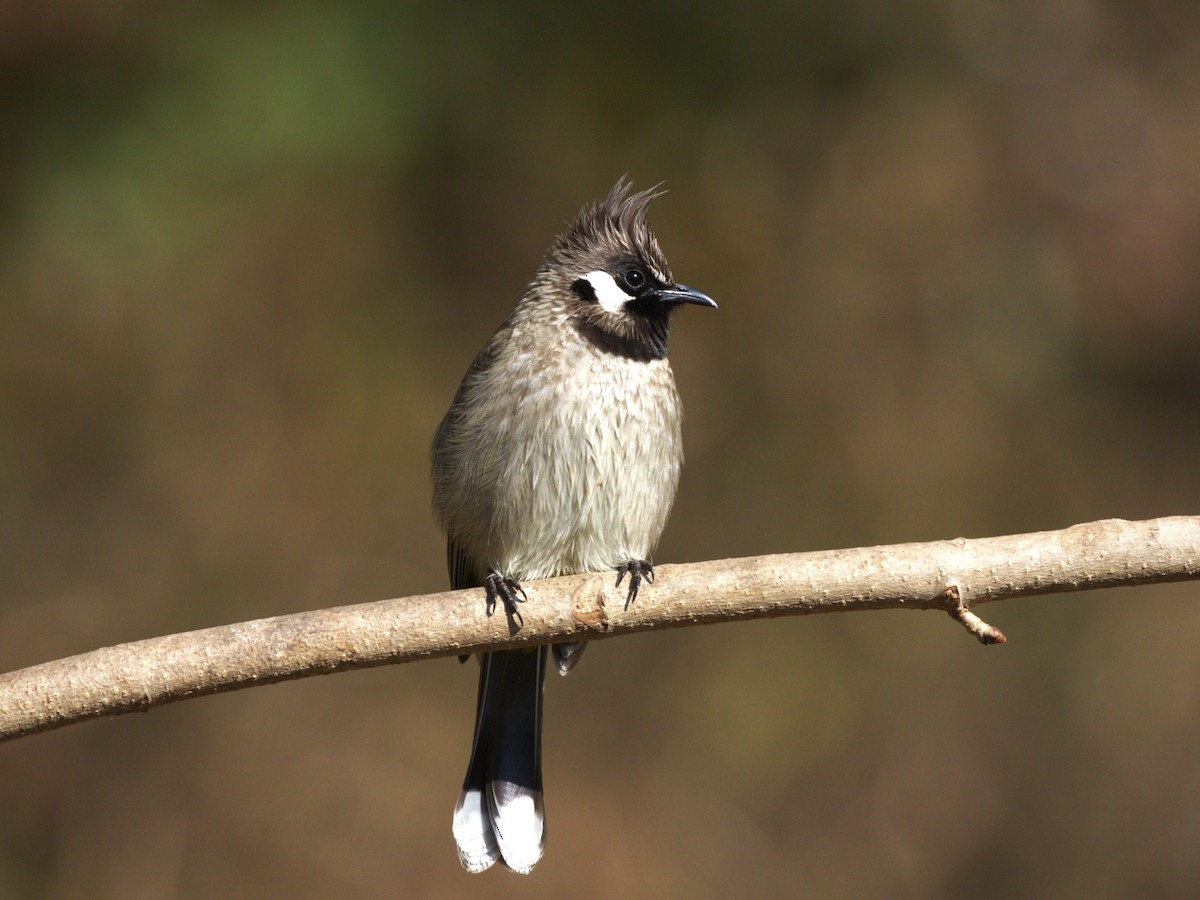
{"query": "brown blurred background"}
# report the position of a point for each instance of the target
(246, 254)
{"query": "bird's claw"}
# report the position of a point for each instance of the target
(508, 591)
(636, 569)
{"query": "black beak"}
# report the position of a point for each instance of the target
(681, 293)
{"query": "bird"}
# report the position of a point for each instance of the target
(560, 454)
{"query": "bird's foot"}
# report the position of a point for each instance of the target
(636, 569)
(508, 591)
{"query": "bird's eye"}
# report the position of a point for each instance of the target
(635, 278)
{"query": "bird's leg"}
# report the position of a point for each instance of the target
(636, 569)
(509, 591)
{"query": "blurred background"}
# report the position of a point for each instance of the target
(247, 253)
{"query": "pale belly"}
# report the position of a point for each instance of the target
(575, 480)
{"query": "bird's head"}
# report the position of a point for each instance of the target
(618, 286)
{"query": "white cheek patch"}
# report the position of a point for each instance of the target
(610, 297)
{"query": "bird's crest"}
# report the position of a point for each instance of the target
(617, 224)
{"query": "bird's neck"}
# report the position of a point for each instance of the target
(639, 337)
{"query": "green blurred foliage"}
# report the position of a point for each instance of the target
(247, 252)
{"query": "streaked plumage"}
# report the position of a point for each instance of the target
(560, 454)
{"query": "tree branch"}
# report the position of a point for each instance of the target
(949, 575)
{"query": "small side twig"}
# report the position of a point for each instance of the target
(952, 601)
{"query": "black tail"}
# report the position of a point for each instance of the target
(500, 815)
